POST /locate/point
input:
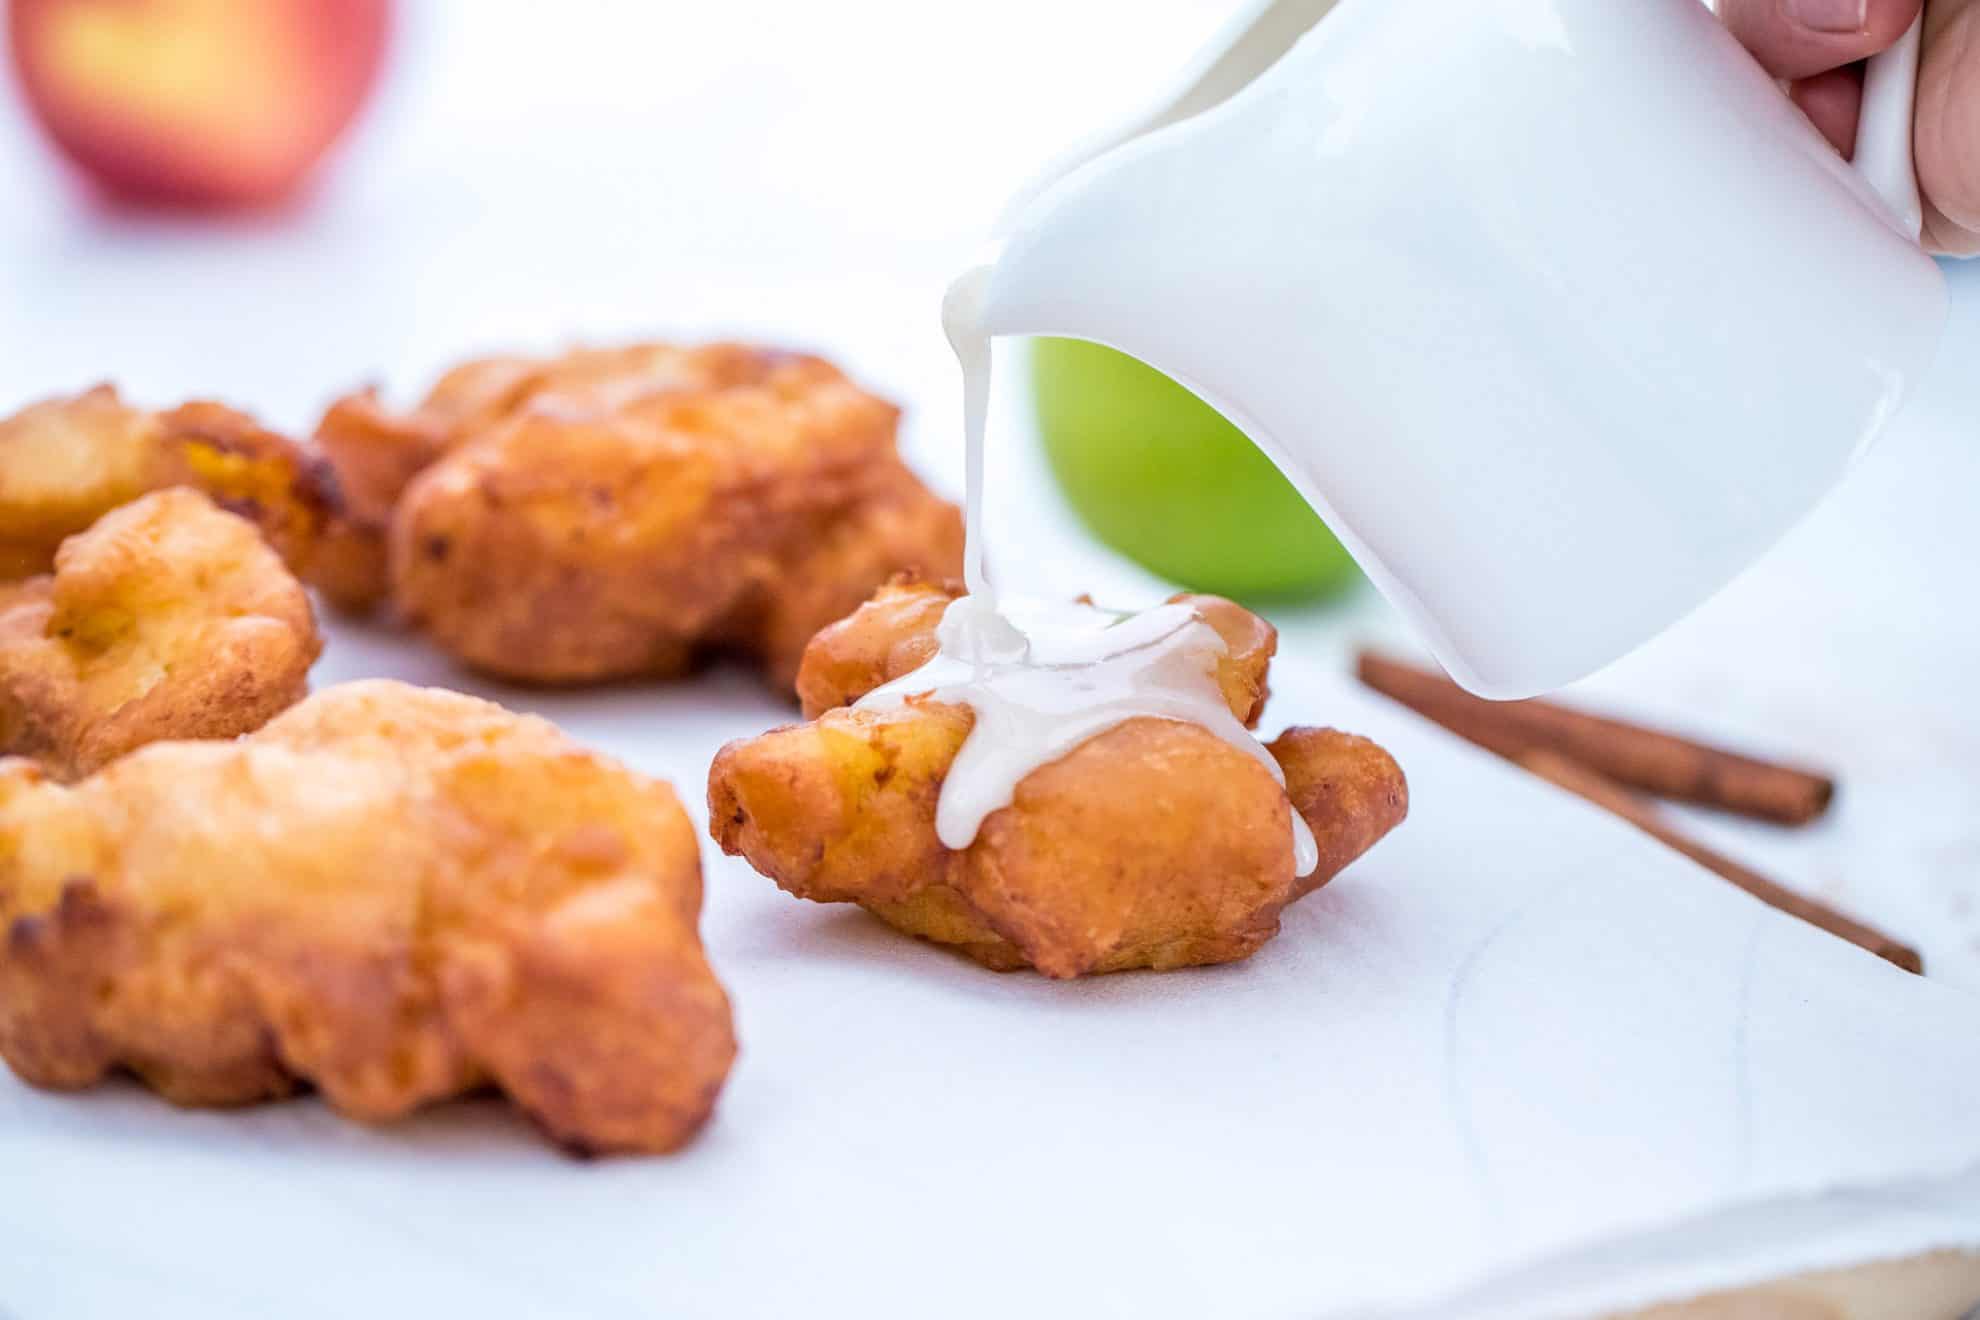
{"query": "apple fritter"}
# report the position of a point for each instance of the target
(65, 462)
(395, 895)
(898, 527)
(377, 452)
(1154, 844)
(169, 618)
(621, 512)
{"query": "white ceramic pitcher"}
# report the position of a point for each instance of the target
(1558, 311)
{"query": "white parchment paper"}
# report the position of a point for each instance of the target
(1519, 1061)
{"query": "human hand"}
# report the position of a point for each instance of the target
(1819, 46)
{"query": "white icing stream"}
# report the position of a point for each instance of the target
(1040, 678)
(962, 322)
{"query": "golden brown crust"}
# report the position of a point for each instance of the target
(65, 462)
(1348, 780)
(1155, 844)
(899, 528)
(620, 512)
(392, 894)
(377, 452)
(1250, 643)
(252, 471)
(890, 635)
(167, 619)
(575, 544)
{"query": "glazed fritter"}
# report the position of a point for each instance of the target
(65, 462)
(395, 895)
(1154, 844)
(621, 512)
(169, 618)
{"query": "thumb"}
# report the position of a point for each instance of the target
(1800, 38)
(1948, 133)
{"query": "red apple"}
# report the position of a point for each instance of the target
(197, 102)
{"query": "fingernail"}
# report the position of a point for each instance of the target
(1829, 15)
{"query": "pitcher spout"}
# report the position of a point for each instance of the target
(1069, 267)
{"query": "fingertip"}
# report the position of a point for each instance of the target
(1947, 239)
(1884, 21)
(1801, 38)
(1947, 139)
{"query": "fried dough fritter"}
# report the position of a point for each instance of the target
(890, 635)
(614, 513)
(377, 452)
(898, 527)
(169, 618)
(396, 895)
(1154, 844)
(65, 462)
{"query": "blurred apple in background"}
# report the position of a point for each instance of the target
(1159, 475)
(202, 103)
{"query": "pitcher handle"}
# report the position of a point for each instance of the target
(1883, 130)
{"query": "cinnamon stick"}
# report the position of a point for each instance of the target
(1657, 763)
(1613, 797)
